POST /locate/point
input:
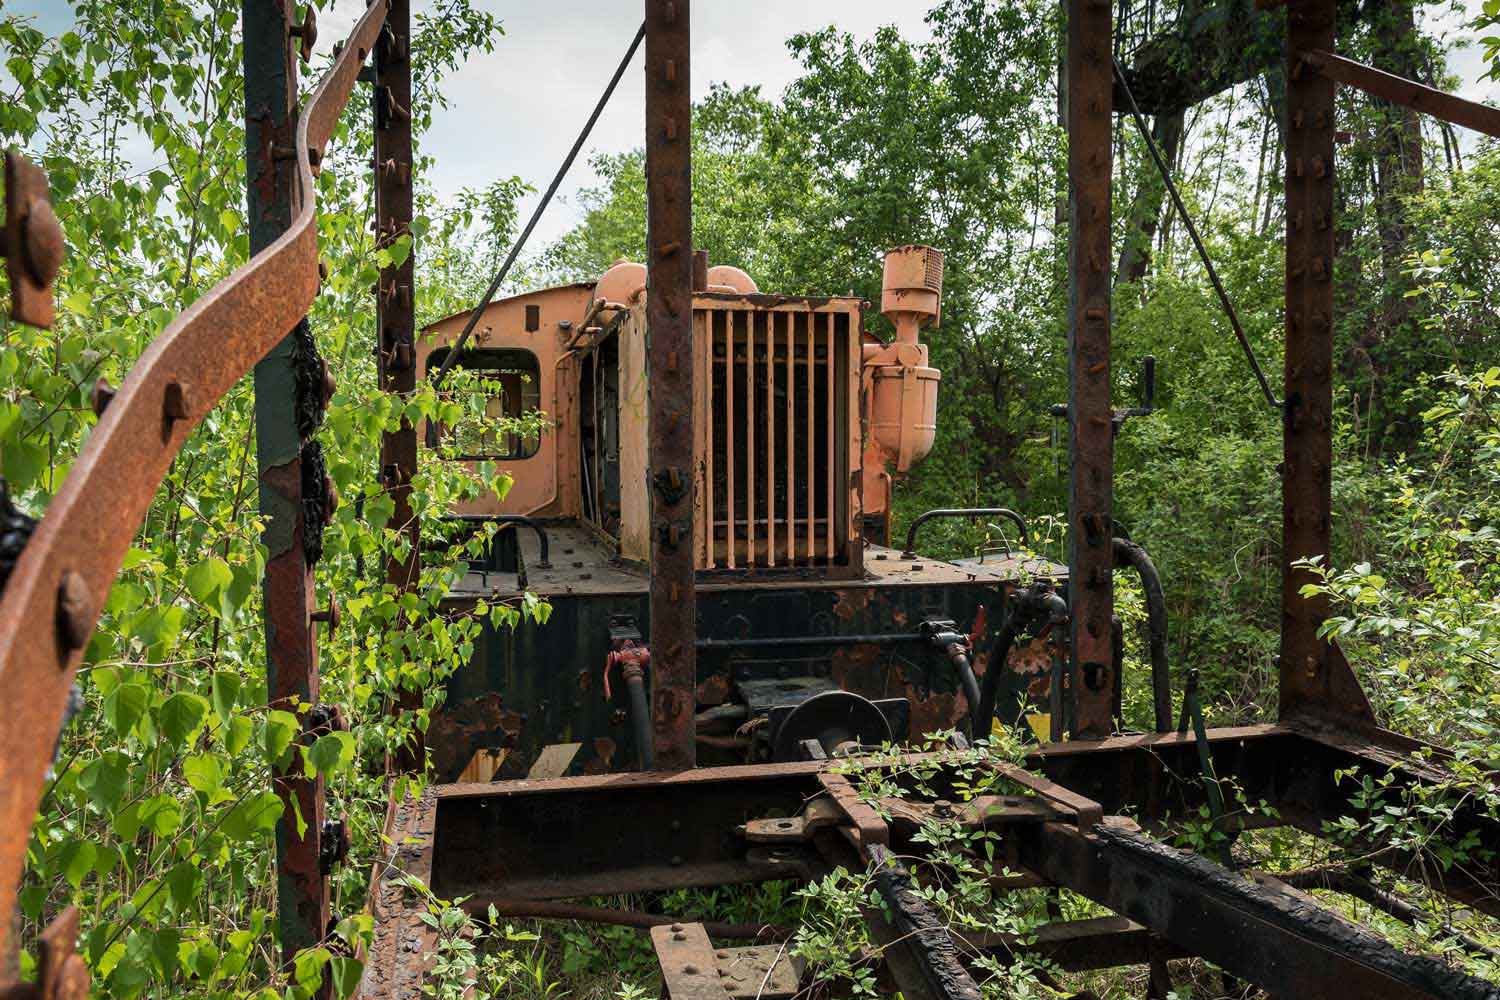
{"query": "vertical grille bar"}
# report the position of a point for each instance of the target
(791, 443)
(809, 398)
(771, 438)
(729, 483)
(710, 539)
(748, 321)
(828, 418)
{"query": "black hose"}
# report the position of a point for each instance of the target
(1131, 554)
(911, 532)
(1038, 605)
(999, 653)
(965, 668)
(640, 717)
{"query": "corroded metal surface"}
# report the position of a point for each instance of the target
(1275, 939)
(90, 523)
(286, 417)
(1314, 678)
(1399, 90)
(669, 221)
(689, 967)
(1091, 438)
(395, 303)
(397, 958)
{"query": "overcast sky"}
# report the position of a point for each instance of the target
(518, 109)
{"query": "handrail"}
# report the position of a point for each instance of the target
(910, 552)
(52, 602)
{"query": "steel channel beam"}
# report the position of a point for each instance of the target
(669, 317)
(395, 306)
(1090, 85)
(604, 834)
(1307, 463)
(1272, 937)
(291, 643)
(915, 943)
(1408, 93)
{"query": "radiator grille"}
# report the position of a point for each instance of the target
(774, 448)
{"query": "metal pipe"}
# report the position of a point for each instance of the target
(1128, 553)
(520, 244)
(640, 714)
(776, 642)
(911, 533)
(534, 909)
(1038, 605)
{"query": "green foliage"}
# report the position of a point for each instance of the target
(159, 823)
(957, 874)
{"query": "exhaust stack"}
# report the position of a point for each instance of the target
(903, 389)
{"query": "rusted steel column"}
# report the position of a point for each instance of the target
(1306, 498)
(291, 647)
(395, 312)
(1090, 84)
(669, 317)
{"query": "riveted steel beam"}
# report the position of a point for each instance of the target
(395, 307)
(669, 316)
(291, 646)
(1314, 677)
(1090, 82)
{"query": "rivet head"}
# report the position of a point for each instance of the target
(101, 396)
(74, 614)
(176, 401)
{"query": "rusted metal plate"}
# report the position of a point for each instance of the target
(32, 242)
(760, 972)
(1090, 85)
(869, 827)
(689, 969)
(94, 516)
(669, 312)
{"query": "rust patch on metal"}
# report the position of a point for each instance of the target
(604, 756)
(713, 690)
(1031, 657)
(458, 731)
(849, 603)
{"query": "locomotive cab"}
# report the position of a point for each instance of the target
(814, 634)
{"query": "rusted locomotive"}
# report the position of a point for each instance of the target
(810, 626)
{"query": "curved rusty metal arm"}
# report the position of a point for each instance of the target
(52, 602)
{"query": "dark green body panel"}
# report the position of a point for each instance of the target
(537, 685)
